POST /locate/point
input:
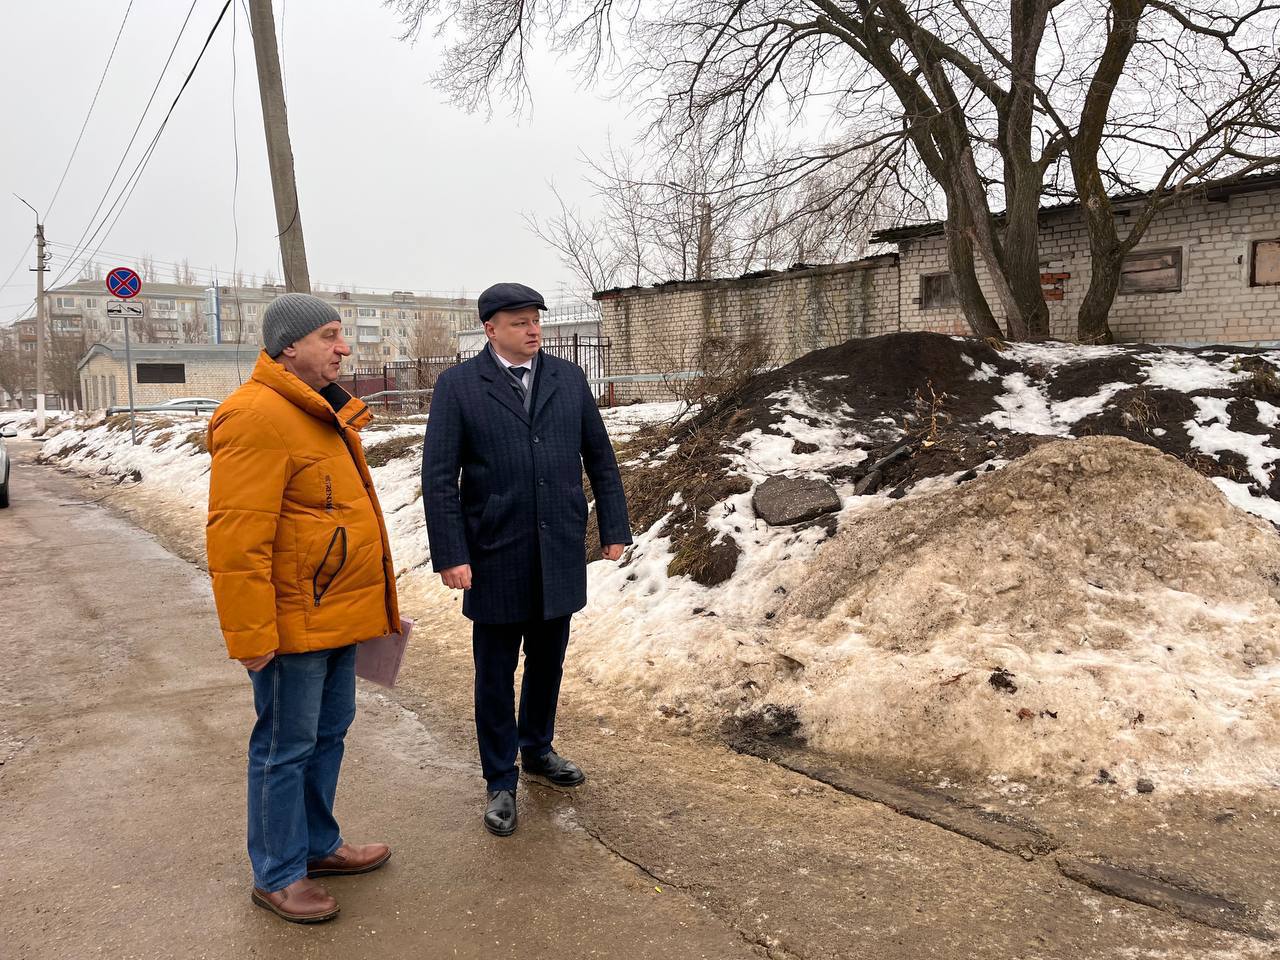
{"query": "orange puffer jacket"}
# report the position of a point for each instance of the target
(297, 545)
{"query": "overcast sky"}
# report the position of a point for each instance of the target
(398, 189)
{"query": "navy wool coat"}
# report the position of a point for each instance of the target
(502, 488)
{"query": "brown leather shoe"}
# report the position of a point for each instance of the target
(350, 858)
(302, 901)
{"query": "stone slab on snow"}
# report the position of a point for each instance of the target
(781, 501)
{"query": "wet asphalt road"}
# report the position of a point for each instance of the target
(122, 731)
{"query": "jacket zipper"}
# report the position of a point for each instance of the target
(339, 539)
(387, 579)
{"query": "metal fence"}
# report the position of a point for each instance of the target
(407, 376)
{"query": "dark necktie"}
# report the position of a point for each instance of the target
(518, 374)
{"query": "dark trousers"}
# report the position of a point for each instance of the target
(496, 648)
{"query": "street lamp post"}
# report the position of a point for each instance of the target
(41, 260)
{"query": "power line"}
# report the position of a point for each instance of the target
(122, 200)
(21, 260)
(92, 104)
(129, 146)
(213, 272)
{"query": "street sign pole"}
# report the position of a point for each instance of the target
(128, 375)
(126, 284)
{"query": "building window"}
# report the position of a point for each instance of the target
(386, 351)
(115, 323)
(936, 291)
(112, 380)
(166, 305)
(366, 312)
(91, 303)
(1152, 271)
(65, 303)
(162, 373)
(1264, 263)
(252, 310)
(346, 312)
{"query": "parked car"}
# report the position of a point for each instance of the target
(8, 430)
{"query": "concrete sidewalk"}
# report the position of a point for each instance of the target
(123, 729)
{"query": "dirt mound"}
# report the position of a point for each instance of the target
(1132, 613)
(961, 402)
(884, 376)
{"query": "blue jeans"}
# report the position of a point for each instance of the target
(305, 703)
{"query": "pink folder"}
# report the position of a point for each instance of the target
(379, 659)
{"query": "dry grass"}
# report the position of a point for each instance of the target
(1263, 382)
(385, 451)
(698, 471)
(198, 440)
(1139, 411)
(930, 410)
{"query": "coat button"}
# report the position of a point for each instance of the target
(537, 439)
(543, 524)
(542, 482)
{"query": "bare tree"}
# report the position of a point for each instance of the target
(182, 273)
(63, 350)
(999, 106)
(147, 269)
(429, 338)
(698, 215)
(17, 367)
(144, 329)
(195, 329)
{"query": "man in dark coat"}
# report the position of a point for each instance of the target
(509, 435)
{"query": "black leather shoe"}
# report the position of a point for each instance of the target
(555, 770)
(500, 814)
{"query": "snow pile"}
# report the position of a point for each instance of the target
(25, 421)
(1095, 604)
(1004, 601)
(169, 452)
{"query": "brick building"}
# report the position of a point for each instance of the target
(1207, 270)
(163, 371)
(666, 329)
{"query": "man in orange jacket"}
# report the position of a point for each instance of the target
(302, 572)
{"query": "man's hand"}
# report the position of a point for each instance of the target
(613, 551)
(254, 664)
(457, 578)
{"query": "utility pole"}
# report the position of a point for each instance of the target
(293, 251)
(41, 260)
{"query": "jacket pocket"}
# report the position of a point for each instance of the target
(335, 558)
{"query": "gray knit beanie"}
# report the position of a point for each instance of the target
(292, 316)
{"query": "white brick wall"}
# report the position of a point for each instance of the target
(661, 329)
(205, 378)
(1216, 303)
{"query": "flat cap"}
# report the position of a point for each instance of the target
(508, 296)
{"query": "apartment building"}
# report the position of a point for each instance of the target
(380, 327)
